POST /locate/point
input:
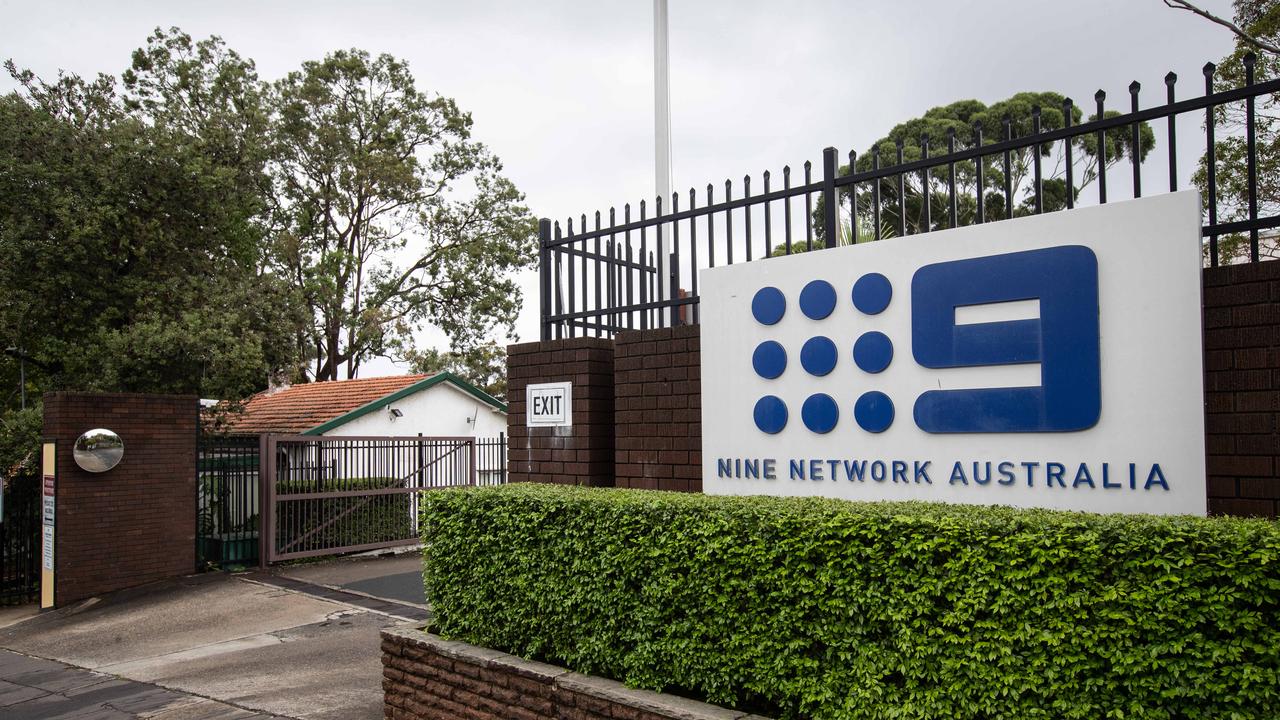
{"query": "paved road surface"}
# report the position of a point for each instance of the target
(397, 578)
(262, 642)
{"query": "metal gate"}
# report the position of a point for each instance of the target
(329, 495)
(227, 500)
(20, 538)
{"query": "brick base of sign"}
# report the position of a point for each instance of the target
(1242, 388)
(657, 400)
(426, 677)
(581, 454)
(648, 403)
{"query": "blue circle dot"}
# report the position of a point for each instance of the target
(818, 355)
(769, 305)
(817, 299)
(873, 351)
(820, 413)
(872, 293)
(770, 414)
(873, 411)
(769, 359)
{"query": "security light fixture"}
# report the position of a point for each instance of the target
(394, 413)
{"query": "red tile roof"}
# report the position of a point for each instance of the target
(302, 407)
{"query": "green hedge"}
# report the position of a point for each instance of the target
(818, 608)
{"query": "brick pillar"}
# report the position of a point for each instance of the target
(135, 523)
(1242, 388)
(577, 455)
(658, 397)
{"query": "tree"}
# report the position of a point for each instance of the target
(965, 119)
(394, 215)
(483, 365)
(132, 240)
(1259, 21)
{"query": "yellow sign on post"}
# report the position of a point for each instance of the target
(49, 475)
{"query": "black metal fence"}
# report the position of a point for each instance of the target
(20, 524)
(227, 503)
(605, 278)
(491, 460)
(327, 495)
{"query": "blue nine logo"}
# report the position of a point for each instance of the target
(1063, 340)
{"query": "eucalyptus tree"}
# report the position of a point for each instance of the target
(394, 215)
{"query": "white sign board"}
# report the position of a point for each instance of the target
(549, 404)
(1049, 361)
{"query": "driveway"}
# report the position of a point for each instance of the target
(396, 578)
(262, 642)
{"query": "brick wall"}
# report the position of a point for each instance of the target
(1242, 388)
(658, 409)
(137, 522)
(577, 455)
(425, 677)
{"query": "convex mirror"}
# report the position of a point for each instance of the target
(98, 450)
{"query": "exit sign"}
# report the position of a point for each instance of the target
(550, 404)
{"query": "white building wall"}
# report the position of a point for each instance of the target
(440, 410)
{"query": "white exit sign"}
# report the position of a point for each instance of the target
(549, 404)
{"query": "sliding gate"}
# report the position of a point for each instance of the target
(330, 495)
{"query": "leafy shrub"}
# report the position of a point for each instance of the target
(808, 607)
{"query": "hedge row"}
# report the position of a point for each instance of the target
(814, 608)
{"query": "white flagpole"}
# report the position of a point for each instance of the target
(662, 133)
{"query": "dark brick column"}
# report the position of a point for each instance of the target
(137, 522)
(658, 397)
(577, 455)
(1242, 388)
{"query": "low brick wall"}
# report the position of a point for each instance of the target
(425, 676)
(657, 401)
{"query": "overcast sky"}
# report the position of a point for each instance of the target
(562, 91)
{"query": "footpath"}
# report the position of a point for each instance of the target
(33, 688)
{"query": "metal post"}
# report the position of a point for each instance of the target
(1211, 164)
(474, 476)
(268, 511)
(502, 458)
(675, 284)
(830, 208)
(264, 470)
(1101, 97)
(1169, 81)
(1251, 162)
(1135, 152)
(1066, 151)
(544, 276)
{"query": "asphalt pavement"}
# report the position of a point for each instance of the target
(295, 642)
(397, 578)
